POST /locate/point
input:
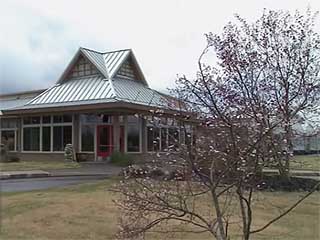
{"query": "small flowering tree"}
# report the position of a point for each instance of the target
(237, 125)
(275, 63)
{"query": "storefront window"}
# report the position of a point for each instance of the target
(153, 139)
(46, 139)
(87, 138)
(173, 138)
(31, 139)
(133, 134)
(62, 135)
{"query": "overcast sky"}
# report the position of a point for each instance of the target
(39, 38)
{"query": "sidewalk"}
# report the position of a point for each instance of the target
(86, 169)
(23, 174)
(307, 173)
(108, 170)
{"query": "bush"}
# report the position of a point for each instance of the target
(120, 159)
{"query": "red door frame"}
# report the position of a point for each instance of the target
(110, 141)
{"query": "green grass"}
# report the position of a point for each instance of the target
(306, 162)
(87, 211)
(37, 165)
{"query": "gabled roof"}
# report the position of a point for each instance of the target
(108, 63)
(107, 87)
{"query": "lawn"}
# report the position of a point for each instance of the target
(307, 162)
(37, 165)
(87, 212)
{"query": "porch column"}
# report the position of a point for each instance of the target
(116, 134)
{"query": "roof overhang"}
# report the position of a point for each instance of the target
(119, 106)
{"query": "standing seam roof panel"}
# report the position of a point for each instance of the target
(52, 94)
(92, 85)
(65, 91)
(80, 93)
(78, 87)
(102, 89)
(115, 60)
(89, 94)
(111, 59)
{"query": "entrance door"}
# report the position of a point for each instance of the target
(104, 141)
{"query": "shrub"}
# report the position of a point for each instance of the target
(120, 159)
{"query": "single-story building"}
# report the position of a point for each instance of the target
(101, 103)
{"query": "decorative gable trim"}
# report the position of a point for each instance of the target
(73, 62)
(134, 63)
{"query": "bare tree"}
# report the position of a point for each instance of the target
(240, 108)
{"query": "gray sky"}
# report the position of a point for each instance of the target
(39, 38)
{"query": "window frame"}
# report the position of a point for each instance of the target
(41, 125)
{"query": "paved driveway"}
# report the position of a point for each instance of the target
(28, 184)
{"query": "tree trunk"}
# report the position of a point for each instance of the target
(288, 151)
(220, 233)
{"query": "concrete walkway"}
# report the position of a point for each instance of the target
(23, 174)
(310, 173)
(86, 169)
(108, 170)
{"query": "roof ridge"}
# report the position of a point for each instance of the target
(91, 50)
(120, 50)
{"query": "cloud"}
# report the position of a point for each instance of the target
(40, 37)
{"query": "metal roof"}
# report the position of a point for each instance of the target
(96, 89)
(18, 99)
(78, 89)
(103, 88)
(97, 59)
(113, 60)
(134, 92)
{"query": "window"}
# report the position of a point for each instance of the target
(173, 138)
(8, 123)
(95, 118)
(46, 119)
(46, 139)
(8, 139)
(153, 139)
(31, 139)
(62, 135)
(87, 138)
(47, 133)
(83, 68)
(62, 119)
(133, 134)
(31, 120)
(164, 139)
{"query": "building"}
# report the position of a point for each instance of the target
(100, 104)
